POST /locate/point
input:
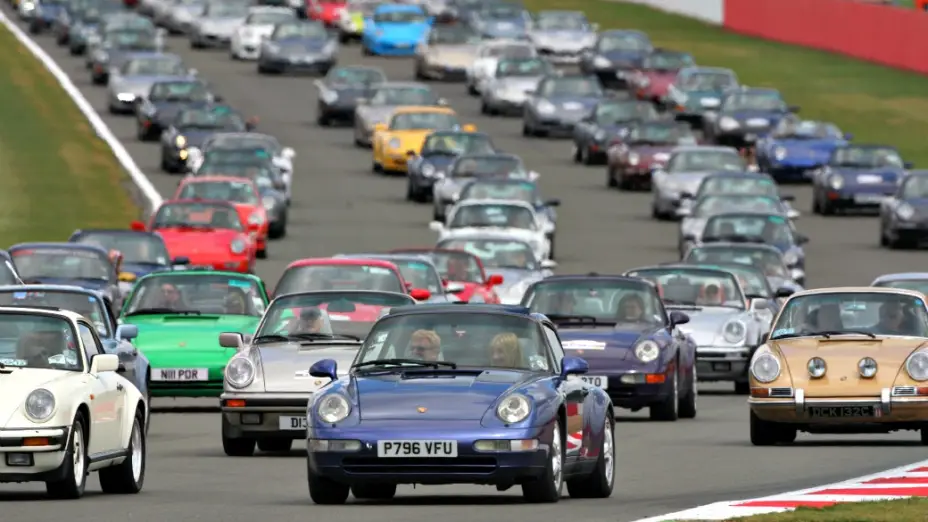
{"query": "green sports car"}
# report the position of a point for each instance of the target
(180, 315)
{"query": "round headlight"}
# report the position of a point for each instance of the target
(765, 368)
(180, 141)
(40, 405)
(428, 169)
(394, 143)
(817, 367)
(240, 372)
(647, 351)
(734, 332)
(779, 153)
(514, 408)
(867, 367)
(917, 366)
(905, 211)
(237, 246)
(333, 408)
(836, 182)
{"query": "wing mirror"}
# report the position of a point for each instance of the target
(848, 136)
(436, 226)
(553, 203)
(495, 280)
(104, 362)
(758, 304)
(420, 294)
(549, 264)
(784, 291)
(455, 288)
(324, 368)
(410, 153)
(380, 127)
(787, 197)
(793, 109)
(573, 366)
(908, 165)
(288, 153)
(677, 318)
(180, 261)
(251, 124)
(127, 332)
(530, 92)
(443, 102)
(683, 212)
(801, 239)
(193, 72)
(793, 214)
(231, 340)
(137, 226)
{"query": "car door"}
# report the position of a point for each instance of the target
(128, 354)
(107, 397)
(575, 392)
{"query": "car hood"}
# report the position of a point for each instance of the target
(686, 181)
(565, 38)
(224, 24)
(625, 59)
(401, 31)
(888, 175)
(648, 152)
(706, 323)
(301, 45)
(166, 339)
(587, 102)
(15, 386)
(518, 83)
(165, 112)
(199, 242)
(285, 366)
(376, 113)
(463, 54)
(439, 161)
(609, 348)
(771, 116)
(256, 31)
(140, 269)
(138, 85)
(196, 137)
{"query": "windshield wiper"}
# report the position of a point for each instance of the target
(824, 333)
(315, 336)
(162, 311)
(562, 319)
(402, 362)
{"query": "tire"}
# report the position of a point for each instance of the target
(601, 481)
(551, 251)
(279, 231)
(322, 120)
(742, 387)
(74, 467)
(374, 491)
(766, 433)
(578, 153)
(688, 406)
(611, 182)
(325, 491)
(924, 434)
(667, 410)
(233, 447)
(275, 445)
(546, 489)
(262, 254)
(128, 477)
(527, 131)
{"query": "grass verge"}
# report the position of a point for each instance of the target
(906, 510)
(876, 104)
(57, 175)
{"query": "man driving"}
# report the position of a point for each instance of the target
(424, 345)
(893, 320)
(310, 321)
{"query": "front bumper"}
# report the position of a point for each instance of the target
(265, 415)
(214, 40)
(856, 200)
(20, 462)
(900, 407)
(339, 111)
(392, 48)
(248, 50)
(298, 64)
(910, 230)
(394, 161)
(450, 73)
(635, 390)
(560, 57)
(715, 364)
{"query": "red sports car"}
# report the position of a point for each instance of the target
(350, 312)
(659, 69)
(646, 146)
(326, 11)
(204, 233)
(241, 192)
(462, 272)
(319, 274)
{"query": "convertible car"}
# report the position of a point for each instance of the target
(842, 360)
(464, 271)
(857, 177)
(902, 216)
(395, 143)
(86, 266)
(346, 273)
(438, 152)
(796, 148)
(394, 30)
(422, 403)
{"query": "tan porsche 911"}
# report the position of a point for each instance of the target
(842, 360)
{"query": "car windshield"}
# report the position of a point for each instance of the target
(791, 129)
(706, 161)
(7, 275)
(772, 229)
(238, 151)
(400, 17)
(712, 205)
(260, 171)
(424, 121)
(420, 274)
(100, 11)
(694, 287)
(61, 263)
(457, 144)
(453, 35)
(124, 21)
(667, 61)
(475, 167)
(302, 30)
(490, 189)
(561, 21)
(501, 12)
(490, 215)
(709, 81)
(612, 112)
(213, 118)
(155, 66)
(270, 18)
(866, 157)
(915, 187)
(917, 284)
(753, 281)
(610, 300)
(623, 42)
(231, 191)
(411, 95)
(131, 38)
(457, 266)
(179, 91)
(313, 278)
(581, 86)
(766, 101)
(868, 313)
(204, 293)
(508, 51)
(765, 259)
(135, 247)
(657, 133)
(522, 67)
(227, 9)
(205, 216)
(88, 305)
(463, 338)
(38, 341)
(332, 313)
(496, 253)
(738, 185)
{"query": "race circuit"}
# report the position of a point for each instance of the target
(341, 207)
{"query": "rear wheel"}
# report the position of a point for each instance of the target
(325, 491)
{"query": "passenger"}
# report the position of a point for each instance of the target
(893, 320)
(457, 270)
(828, 318)
(235, 304)
(310, 321)
(631, 309)
(424, 345)
(505, 351)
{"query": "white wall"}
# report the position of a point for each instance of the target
(711, 11)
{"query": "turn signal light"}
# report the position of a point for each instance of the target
(235, 403)
(36, 441)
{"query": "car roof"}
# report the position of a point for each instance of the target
(745, 214)
(51, 288)
(198, 272)
(495, 202)
(121, 231)
(41, 310)
(419, 258)
(344, 261)
(728, 245)
(901, 276)
(682, 266)
(343, 292)
(859, 289)
(482, 308)
(591, 275)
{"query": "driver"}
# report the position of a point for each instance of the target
(711, 295)
(517, 258)
(893, 320)
(170, 297)
(727, 229)
(505, 351)
(457, 270)
(234, 303)
(38, 347)
(828, 318)
(631, 309)
(310, 321)
(223, 219)
(424, 345)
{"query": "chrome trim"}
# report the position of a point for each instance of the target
(780, 393)
(886, 401)
(800, 400)
(904, 391)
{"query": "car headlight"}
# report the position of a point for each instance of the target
(817, 367)
(633, 159)
(601, 62)
(240, 372)
(180, 141)
(394, 143)
(256, 219)
(791, 258)
(272, 48)
(836, 182)
(333, 408)
(766, 368)
(330, 48)
(867, 367)
(268, 202)
(905, 212)
(917, 366)
(734, 332)
(514, 408)
(546, 107)
(728, 123)
(647, 351)
(779, 153)
(600, 135)
(428, 170)
(39, 405)
(329, 96)
(237, 246)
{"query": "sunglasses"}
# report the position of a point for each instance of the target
(421, 349)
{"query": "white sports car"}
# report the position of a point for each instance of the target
(65, 409)
(258, 25)
(514, 219)
(281, 157)
(488, 55)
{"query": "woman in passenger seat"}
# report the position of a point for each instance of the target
(505, 351)
(631, 309)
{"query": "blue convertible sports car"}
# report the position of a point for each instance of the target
(619, 325)
(796, 148)
(394, 30)
(857, 177)
(447, 394)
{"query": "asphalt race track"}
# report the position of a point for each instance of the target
(340, 206)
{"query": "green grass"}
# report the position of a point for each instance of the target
(56, 174)
(874, 103)
(906, 510)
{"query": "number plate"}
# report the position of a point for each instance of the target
(869, 198)
(750, 137)
(598, 381)
(841, 412)
(180, 374)
(292, 423)
(417, 448)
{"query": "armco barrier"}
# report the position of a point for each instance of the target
(709, 11)
(146, 189)
(891, 36)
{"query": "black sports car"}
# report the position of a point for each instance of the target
(341, 89)
(164, 100)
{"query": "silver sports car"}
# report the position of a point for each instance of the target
(388, 97)
(562, 36)
(488, 54)
(725, 329)
(768, 258)
(216, 24)
(506, 91)
(694, 217)
(683, 173)
(466, 168)
(447, 53)
(267, 383)
(179, 16)
(133, 80)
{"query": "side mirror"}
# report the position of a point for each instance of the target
(908, 165)
(553, 203)
(470, 127)
(436, 226)
(104, 362)
(454, 288)
(549, 264)
(677, 318)
(787, 197)
(193, 72)
(138, 226)
(759, 304)
(324, 368)
(801, 239)
(127, 332)
(127, 277)
(251, 124)
(689, 237)
(573, 366)
(380, 127)
(180, 260)
(848, 136)
(686, 195)
(420, 294)
(784, 291)
(793, 109)
(494, 280)
(684, 212)
(231, 340)
(442, 102)
(363, 101)
(288, 153)
(318, 84)
(793, 214)
(218, 98)
(798, 275)
(764, 338)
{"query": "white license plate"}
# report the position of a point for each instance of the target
(403, 45)
(417, 448)
(598, 381)
(750, 137)
(869, 198)
(180, 374)
(292, 423)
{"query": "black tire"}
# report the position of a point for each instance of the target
(551, 253)
(122, 479)
(689, 406)
(766, 433)
(275, 445)
(601, 481)
(325, 491)
(742, 387)
(236, 447)
(374, 491)
(322, 120)
(924, 434)
(73, 482)
(668, 409)
(262, 253)
(547, 488)
(611, 182)
(277, 231)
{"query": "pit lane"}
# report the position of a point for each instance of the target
(339, 206)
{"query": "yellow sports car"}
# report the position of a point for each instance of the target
(394, 143)
(842, 360)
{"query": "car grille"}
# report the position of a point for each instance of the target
(476, 465)
(905, 391)
(781, 392)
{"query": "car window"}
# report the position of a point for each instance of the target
(557, 349)
(91, 344)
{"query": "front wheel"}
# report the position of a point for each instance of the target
(325, 491)
(74, 467)
(236, 447)
(547, 487)
(668, 408)
(767, 433)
